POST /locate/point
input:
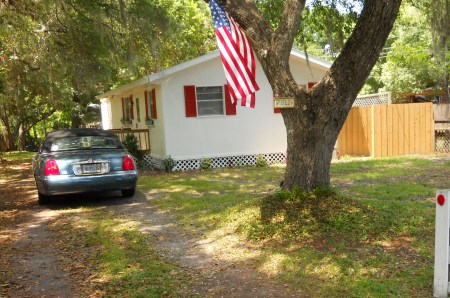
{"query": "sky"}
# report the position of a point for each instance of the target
(340, 4)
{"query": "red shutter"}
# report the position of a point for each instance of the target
(131, 107)
(123, 108)
(155, 114)
(146, 104)
(230, 108)
(311, 84)
(190, 101)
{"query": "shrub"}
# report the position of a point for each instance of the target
(261, 161)
(205, 164)
(169, 163)
(131, 143)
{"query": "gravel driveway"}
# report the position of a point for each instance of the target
(33, 264)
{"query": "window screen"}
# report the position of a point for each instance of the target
(210, 101)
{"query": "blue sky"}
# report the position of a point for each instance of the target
(357, 4)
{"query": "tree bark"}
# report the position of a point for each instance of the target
(319, 114)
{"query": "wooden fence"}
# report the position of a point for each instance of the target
(388, 130)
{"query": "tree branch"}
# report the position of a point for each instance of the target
(42, 117)
(30, 65)
(287, 30)
(252, 21)
(90, 19)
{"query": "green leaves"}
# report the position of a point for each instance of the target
(411, 61)
(57, 55)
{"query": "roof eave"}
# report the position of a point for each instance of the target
(157, 77)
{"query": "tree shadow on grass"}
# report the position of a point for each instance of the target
(322, 214)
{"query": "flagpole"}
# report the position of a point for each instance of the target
(254, 43)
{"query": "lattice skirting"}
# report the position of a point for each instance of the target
(442, 139)
(153, 163)
(216, 162)
(373, 99)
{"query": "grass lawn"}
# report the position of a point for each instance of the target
(372, 235)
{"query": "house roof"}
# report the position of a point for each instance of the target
(158, 76)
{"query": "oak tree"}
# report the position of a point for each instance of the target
(313, 125)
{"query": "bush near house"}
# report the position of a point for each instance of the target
(132, 145)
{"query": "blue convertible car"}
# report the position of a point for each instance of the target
(83, 160)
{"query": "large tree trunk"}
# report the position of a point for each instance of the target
(319, 114)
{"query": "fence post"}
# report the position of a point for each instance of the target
(441, 253)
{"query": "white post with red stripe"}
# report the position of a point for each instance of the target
(441, 249)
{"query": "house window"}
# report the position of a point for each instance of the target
(150, 105)
(127, 106)
(210, 101)
(205, 101)
(138, 110)
(127, 109)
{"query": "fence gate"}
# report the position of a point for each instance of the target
(442, 127)
(442, 241)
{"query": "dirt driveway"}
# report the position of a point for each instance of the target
(33, 259)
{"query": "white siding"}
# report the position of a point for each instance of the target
(105, 106)
(157, 136)
(116, 108)
(301, 72)
(250, 131)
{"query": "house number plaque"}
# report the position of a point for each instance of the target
(283, 102)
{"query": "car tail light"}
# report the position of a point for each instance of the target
(51, 168)
(127, 163)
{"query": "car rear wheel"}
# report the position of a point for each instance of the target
(43, 199)
(128, 192)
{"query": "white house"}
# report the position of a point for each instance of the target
(190, 117)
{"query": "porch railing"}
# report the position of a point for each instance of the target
(142, 135)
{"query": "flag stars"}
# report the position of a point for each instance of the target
(219, 16)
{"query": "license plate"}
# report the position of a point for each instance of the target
(91, 168)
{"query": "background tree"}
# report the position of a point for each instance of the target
(440, 29)
(322, 24)
(416, 56)
(324, 30)
(59, 54)
(409, 62)
(28, 93)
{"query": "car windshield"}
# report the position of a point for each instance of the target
(84, 142)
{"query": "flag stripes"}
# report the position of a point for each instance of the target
(237, 57)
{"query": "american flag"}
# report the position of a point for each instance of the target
(237, 56)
